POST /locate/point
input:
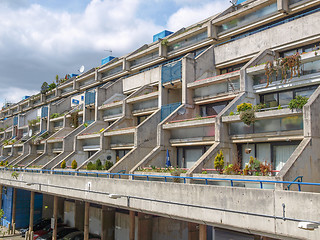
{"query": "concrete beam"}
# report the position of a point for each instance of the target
(209, 204)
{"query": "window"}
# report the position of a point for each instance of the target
(187, 156)
(276, 153)
(307, 48)
(140, 119)
(121, 153)
(212, 109)
(283, 98)
(232, 68)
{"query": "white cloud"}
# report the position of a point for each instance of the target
(14, 94)
(36, 42)
(187, 16)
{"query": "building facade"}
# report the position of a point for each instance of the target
(186, 97)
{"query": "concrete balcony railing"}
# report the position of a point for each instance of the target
(270, 125)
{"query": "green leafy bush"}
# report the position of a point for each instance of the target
(90, 166)
(74, 164)
(298, 102)
(98, 164)
(63, 164)
(108, 164)
(219, 162)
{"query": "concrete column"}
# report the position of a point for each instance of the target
(55, 217)
(132, 225)
(79, 215)
(31, 213)
(86, 221)
(108, 223)
(14, 206)
(202, 232)
(193, 231)
(144, 226)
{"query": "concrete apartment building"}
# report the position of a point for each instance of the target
(178, 96)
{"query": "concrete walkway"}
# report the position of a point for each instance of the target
(4, 234)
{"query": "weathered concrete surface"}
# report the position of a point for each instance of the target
(213, 205)
(281, 35)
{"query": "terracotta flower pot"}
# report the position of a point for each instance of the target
(247, 150)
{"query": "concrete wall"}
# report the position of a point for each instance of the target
(275, 37)
(218, 202)
(141, 79)
(168, 229)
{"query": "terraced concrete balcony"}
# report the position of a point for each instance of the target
(218, 88)
(274, 125)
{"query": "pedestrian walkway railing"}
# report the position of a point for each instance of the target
(232, 182)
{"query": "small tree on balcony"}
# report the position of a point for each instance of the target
(219, 162)
(63, 164)
(74, 164)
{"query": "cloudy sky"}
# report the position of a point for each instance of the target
(42, 38)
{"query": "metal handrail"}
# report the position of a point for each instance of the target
(296, 180)
(133, 176)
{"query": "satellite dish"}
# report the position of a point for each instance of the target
(181, 111)
(81, 70)
(234, 2)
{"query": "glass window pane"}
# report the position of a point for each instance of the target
(246, 156)
(285, 97)
(191, 156)
(291, 123)
(305, 92)
(240, 128)
(268, 125)
(271, 100)
(264, 152)
(281, 154)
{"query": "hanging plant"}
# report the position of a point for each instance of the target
(289, 64)
(269, 71)
(247, 117)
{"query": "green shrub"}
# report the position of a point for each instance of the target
(298, 102)
(231, 113)
(90, 166)
(108, 165)
(63, 164)
(98, 164)
(244, 106)
(6, 163)
(74, 164)
(219, 162)
(1, 164)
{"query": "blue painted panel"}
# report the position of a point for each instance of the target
(73, 75)
(106, 60)
(22, 207)
(44, 112)
(171, 72)
(161, 35)
(75, 101)
(15, 121)
(168, 109)
(90, 97)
